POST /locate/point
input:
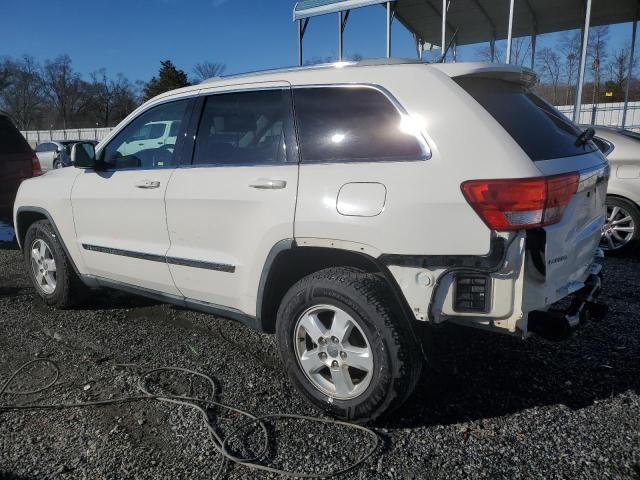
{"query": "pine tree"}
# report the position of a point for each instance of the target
(169, 78)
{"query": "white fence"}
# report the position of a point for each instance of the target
(609, 114)
(36, 137)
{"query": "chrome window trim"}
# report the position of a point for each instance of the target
(424, 144)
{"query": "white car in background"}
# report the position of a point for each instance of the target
(55, 154)
(151, 135)
(622, 148)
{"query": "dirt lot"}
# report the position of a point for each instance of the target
(496, 407)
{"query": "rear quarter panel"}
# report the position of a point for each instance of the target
(425, 212)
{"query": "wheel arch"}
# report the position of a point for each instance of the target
(624, 197)
(288, 262)
(27, 216)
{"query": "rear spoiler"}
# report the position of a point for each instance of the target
(508, 73)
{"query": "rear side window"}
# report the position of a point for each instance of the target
(11, 140)
(246, 128)
(347, 124)
(540, 130)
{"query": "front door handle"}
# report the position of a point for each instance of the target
(148, 184)
(268, 184)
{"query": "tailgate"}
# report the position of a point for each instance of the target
(570, 244)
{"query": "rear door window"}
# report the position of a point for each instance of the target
(541, 131)
(11, 140)
(352, 124)
(246, 128)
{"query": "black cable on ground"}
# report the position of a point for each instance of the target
(221, 445)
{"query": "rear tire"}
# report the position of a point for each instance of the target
(361, 303)
(57, 164)
(621, 231)
(49, 269)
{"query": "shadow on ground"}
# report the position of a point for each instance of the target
(11, 476)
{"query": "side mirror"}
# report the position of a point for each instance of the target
(83, 155)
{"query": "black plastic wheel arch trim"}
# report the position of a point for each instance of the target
(47, 215)
(493, 260)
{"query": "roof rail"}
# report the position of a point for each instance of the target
(359, 63)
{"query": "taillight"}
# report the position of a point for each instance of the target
(35, 166)
(521, 203)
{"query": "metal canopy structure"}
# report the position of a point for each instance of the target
(480, 21)
(450, 23)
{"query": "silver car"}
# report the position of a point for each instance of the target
(622, 149)
(55, 154)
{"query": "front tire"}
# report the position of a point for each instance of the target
(49, 268)
(346, 344)
(622, 226)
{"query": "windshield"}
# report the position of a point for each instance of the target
(540, 130)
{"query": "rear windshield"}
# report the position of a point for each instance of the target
(11, 140)
(540, 130)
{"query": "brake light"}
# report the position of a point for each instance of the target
(521, 203)
(36, 169)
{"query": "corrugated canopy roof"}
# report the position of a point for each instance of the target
(479, 20)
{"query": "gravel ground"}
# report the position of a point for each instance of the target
(494, 407)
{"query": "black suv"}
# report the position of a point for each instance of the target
(17, 162)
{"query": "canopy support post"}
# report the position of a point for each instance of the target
(492, 48)
(302, 28)
(444, 31)
(419, 48)
(534, 38)
(342, 24)
(389, 21)
(632, 53)
(583, 62)
(510, 32)
(340, 36)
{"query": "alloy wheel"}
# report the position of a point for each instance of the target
(44, 266)
(618, 229)
(333, 352)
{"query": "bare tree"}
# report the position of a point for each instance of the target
(64, 88)
(5, 66)
(597, 53)
(484, 53)
(618, 67)
(520, 50)
(551, 68)
(319, 60)
(205, 70)
(24, 95)
(570, 49)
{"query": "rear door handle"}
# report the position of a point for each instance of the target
(148, 184)
(268, 184)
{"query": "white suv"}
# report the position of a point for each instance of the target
(339, 207)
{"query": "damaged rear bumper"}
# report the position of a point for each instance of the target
(557, 323)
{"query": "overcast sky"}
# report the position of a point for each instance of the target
(132, 36)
